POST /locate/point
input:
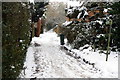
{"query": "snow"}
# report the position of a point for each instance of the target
(66, 23)
(13, 67)
(100, 22)
(108, 69)
(48, 60)
(74, 3)
(98, 36)
(21, 41)
(29, 64)
(105, 10)
(86, 13)
(79, 15)
(70, 11)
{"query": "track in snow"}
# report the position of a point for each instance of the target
(47, 60)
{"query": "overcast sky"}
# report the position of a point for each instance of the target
(58, 0)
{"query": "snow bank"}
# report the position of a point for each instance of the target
(109, 68)
(29, 64)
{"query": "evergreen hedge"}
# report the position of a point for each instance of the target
(15, 37)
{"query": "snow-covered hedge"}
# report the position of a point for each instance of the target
(95, 32)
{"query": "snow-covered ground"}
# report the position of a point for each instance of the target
(109, 68)
(46, 59)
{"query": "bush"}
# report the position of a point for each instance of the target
(15, 37)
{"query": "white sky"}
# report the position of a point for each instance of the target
(58, 0)
(31, 0)
(53, 0)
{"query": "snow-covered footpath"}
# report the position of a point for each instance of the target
(46, 59)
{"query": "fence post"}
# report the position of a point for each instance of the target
(109, 35)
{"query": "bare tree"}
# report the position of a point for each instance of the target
(55, 14)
